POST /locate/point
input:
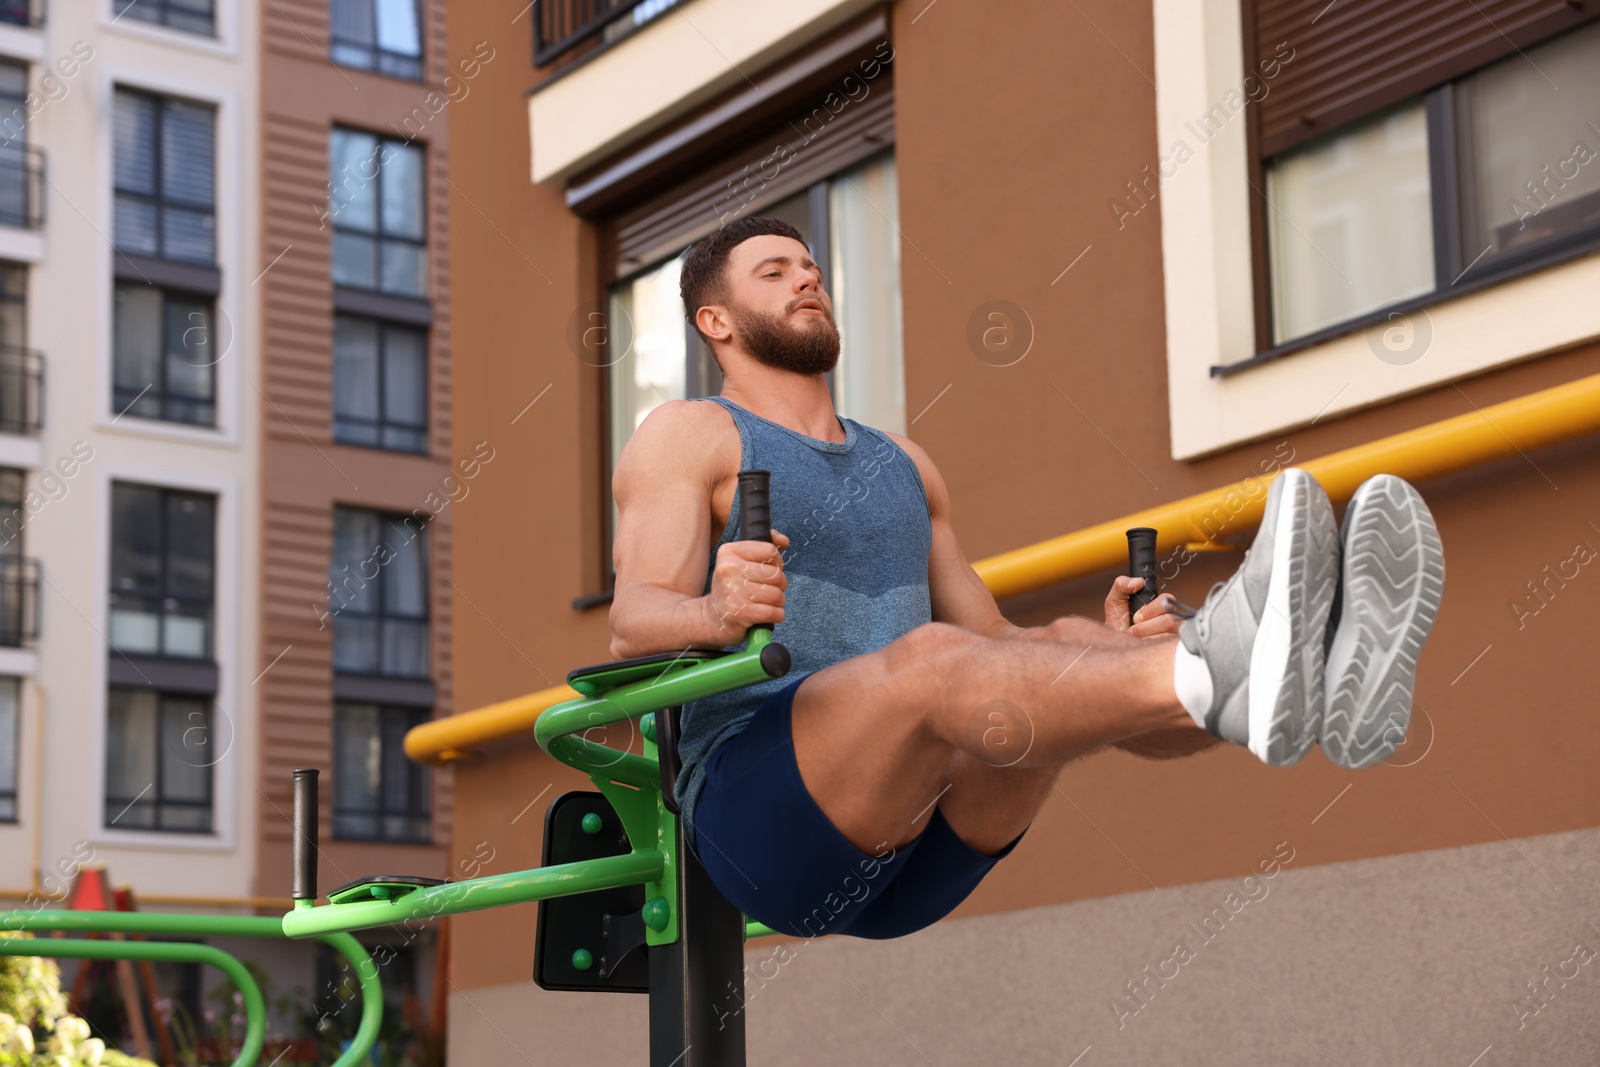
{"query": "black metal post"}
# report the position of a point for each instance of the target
(697, 982)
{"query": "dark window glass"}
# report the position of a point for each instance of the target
(13, 518)
(380, 390)
(162, 571)
(378, 35)
(13, 305)
(162, 355)
(191, 16)
(375, 197)
(13, 104)
(17, 168)
(378, 794)
(165, 177)
(21, 370)
(378, 594)
(20, 12)
(158, 761)
(10, 724)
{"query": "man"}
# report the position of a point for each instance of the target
(918, 732)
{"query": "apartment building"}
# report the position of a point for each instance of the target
(132, 448)
(225, 445)
(1093, 258)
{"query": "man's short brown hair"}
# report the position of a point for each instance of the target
(704, 279)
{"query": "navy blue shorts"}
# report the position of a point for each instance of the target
(774, 854)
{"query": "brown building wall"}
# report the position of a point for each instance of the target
(1012, 134)
(305, 473)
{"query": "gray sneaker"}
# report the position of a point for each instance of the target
(1391, 582)
(1261, 632)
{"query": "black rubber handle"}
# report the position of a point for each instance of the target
(755, 516)
(1142, 564)
(305, 834)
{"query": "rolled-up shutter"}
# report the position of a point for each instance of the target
(1352, 58)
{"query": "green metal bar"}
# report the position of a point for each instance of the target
(371, 995)
(755, 929)
(265, 926)
(142, 922)
(706, 678)
(475, 894)
(178, 951)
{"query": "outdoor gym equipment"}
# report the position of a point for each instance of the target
(624, 904)
(640, 914)
(165, 923)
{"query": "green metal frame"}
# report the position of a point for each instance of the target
(187, 925)
(181, 951)
(632, 783)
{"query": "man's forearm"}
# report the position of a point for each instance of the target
(647, 621)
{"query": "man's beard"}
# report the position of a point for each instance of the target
(809, 349)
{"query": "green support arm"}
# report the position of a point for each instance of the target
(171, 924)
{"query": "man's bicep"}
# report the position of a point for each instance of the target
(663, 510)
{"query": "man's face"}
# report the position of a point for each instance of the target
(778, 310)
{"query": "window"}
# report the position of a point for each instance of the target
(22, 12)
(164, 177)
(378, 594)
(375, 192)
(13, 103)
(19, 576)
(1491, 173)
(163, 351)
(1352, 231)
(191, 16)
(158, 761)
(379, 35)
(21, 370)
(849, 222)
(13, 305)
(10, 734)
(380, 384)
(378, 794)
(162, 571)
(1528, 156)
(21, 172)
(163, 366)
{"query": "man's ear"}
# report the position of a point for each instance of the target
(712, 321)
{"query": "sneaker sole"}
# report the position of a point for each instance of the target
(1393, 574)
(1286, 659)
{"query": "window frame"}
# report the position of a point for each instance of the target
(383, 423)
(381, 616)
(160, 200)
(377, 53)
(164, 494)
(164, 7)
(12, 797)
(165, 398)
(128, 803)
(423, 799)
(378, 235)
(1454, 273)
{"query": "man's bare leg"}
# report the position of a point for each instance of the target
(879, 737)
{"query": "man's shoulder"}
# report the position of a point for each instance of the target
(682, 437)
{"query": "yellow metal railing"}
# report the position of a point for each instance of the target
(1510, 428)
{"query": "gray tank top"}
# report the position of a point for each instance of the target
(856, 514)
